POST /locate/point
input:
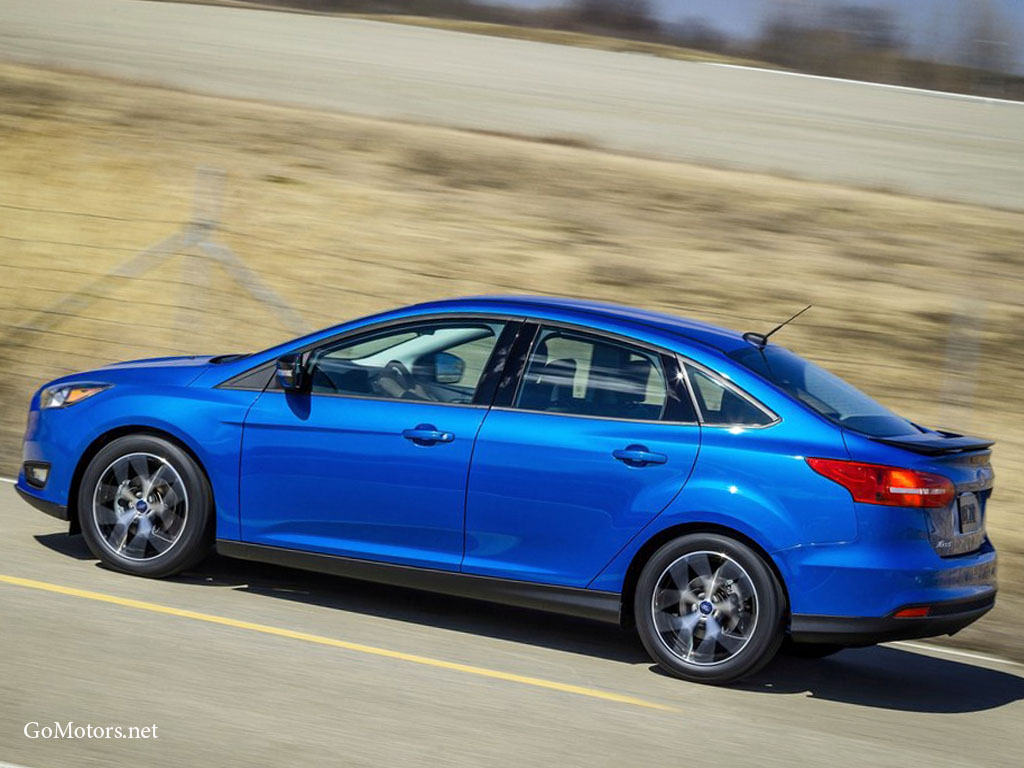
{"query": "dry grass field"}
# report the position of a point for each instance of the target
(344, 216)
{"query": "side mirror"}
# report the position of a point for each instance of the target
(448, 368)
(291, 374)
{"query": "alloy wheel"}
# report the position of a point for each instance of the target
(704, 608)
(140, 505)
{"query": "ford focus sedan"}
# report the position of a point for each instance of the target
(712, 489)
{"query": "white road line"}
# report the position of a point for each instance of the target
(954, 652)
(12, 482)
(944, 94)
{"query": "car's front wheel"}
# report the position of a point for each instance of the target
(145, 507)
(709, 609)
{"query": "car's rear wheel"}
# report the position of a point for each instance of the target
(145, 507)
(709, 609)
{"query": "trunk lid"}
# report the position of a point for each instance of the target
(958, 528)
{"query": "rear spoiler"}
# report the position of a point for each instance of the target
(937, 443)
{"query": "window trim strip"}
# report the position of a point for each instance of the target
(686, 364)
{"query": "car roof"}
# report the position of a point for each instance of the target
(723, 339)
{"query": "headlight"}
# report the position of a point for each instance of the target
(63, 395)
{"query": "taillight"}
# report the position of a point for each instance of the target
(892, 486)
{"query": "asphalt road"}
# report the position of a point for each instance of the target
(241, 664)
(933, 145)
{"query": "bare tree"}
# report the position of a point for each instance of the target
(616, 14)
(986, 42)
(865, 27)
(694, 32)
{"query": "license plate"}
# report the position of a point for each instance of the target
(969, 513)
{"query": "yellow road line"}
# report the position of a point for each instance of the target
(330, 641)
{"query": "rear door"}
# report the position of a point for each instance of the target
(593, 441)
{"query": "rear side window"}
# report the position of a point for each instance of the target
(721, 405)
(584, 375)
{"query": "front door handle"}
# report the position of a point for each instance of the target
(638, 456)
(427, 434)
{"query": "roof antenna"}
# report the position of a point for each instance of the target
(760, 340)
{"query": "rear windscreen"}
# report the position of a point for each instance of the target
(823, 392)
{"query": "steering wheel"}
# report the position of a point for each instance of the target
(397, 372)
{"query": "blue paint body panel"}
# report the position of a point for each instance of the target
(576, 492)
(536, 497)
(334, 475)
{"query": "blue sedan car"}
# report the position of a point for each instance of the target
(709, 487)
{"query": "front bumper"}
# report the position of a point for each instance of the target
(51, 508)
(945, 618)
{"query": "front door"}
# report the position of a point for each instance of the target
(594, 444)
(371, 462)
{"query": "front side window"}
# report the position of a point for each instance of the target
(440, 361)
(721, 405)
(584, 375)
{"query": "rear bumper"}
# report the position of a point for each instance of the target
(946, 618)
(43, 505)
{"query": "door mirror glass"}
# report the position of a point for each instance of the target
(290, 373)
(448, 368)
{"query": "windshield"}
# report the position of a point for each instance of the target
(823, 392)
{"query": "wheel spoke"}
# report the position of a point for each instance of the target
(743, 590)
(140, 506)
(164, 514)
(720, 576)
(684, 626)
(107, 493)
(169, 498)
(705, 650)
(136, 546)
(667, 597)
(161, 542)
(153, 480)
(704, 607)
(109, 512)
(140, 468)
(730, 642)
(700, 565)
(119, 534)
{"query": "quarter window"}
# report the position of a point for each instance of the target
(439, 362)
(584, 375)
(722, 405)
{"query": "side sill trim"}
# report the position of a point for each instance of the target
(54, 510)
(571, 601)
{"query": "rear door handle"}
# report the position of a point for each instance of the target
(638, 456)
(427, 434)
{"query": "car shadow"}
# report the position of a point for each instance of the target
(882, 677)
(71, 546)
(888, 677)
(417, 607)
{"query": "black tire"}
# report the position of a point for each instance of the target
(810, 650)
(176, 472)
(748, 582)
